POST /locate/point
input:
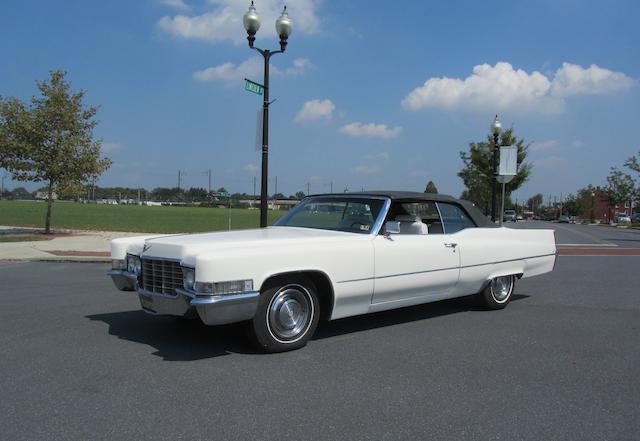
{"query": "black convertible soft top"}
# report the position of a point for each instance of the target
(407, 196)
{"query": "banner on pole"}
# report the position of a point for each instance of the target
(508, 167)
(508, 160)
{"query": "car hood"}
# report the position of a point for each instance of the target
(185, 247)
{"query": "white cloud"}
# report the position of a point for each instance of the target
(381, 155)
(252, 67)
(250, 168)
(502, 87)
(572, 79)
(229, 72)
(224, 22)
(367, 169)
(371, 130)
(109, 147)
(315, 110)
(577, 143)
(179, 5)
(544, 145)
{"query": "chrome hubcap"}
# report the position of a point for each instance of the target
(501, 288)
(289, 313)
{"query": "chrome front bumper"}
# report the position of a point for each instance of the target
(213, 310)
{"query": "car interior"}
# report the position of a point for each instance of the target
(422, 217)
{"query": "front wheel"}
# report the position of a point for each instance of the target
(287, 316)
(498, 292)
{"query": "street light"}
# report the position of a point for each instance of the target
(495, 128)
(593, 208)
(284, 27)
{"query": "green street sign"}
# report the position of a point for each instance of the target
(254, 87)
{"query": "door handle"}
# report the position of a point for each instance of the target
(451, 245)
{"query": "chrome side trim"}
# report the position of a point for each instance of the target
(445, 269)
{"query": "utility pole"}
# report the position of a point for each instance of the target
(308, 186)
(275, 194)
(209, 181)
(254, 190)
(331, 186)
(179, 176)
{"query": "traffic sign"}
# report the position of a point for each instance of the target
(252, 86)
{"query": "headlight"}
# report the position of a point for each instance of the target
(118, 264)
(189, 278)
(220, 288)
(134, 266)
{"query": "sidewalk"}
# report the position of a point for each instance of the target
(67, 245)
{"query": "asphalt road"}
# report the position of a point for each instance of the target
(562, 362)
(587, 235)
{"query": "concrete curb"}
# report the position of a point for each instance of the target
(87, 259)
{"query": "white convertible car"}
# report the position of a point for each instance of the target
(332, 256)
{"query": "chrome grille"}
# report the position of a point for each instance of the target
(161, 276)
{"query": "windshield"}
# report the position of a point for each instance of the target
(349, 214)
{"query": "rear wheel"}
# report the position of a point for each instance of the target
(287, 316)
(498, 292)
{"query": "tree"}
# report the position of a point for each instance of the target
(20, 193)
(535, 201)
(573, 205)
(633, 163)
(477, 173)
(300, 195)
(620, 188)
(51, 139)
(431, 188)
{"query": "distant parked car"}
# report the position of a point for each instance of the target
(509, 216)
(564, 219)
(635, 218)
(622, 218)
(519, 217)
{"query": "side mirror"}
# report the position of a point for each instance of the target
(392, 227)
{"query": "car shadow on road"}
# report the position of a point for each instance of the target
(402, 315)
(188, 340)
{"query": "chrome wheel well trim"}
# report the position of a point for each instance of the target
(327, 300)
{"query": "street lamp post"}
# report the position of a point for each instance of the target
(495, 128)
(284, 26)
(593, 208)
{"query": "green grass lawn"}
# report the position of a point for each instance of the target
(23, 237)
(130, 217)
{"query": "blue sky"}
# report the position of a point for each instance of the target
(374, 95)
